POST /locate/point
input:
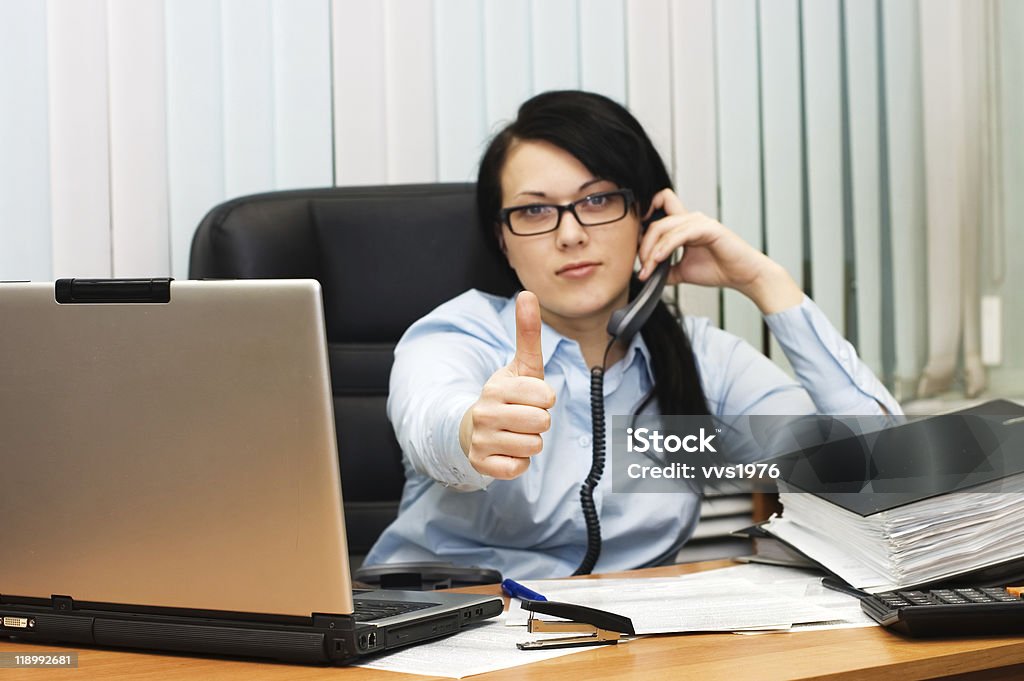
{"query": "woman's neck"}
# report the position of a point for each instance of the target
(592, 336)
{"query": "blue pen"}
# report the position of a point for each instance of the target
(517, 590)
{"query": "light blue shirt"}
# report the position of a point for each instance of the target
(532, 526)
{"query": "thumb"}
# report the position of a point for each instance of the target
(529, 360)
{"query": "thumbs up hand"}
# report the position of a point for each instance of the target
(501, 431)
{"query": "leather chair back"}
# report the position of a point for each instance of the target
(385, 256)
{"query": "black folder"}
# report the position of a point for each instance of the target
(917, 460)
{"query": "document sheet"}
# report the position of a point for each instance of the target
(741, 598)
(484, 648)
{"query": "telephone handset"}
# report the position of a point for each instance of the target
(626, 321)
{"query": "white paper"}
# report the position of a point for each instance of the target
(845, 610)
(483, 648)
(718, 600)
(853, 571)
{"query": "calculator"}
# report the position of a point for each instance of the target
(947, 612)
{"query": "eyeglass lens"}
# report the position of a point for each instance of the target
(591, 210)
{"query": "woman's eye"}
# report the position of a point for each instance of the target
(596, 203)
(536, 211)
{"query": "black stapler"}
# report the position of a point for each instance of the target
(595, 627)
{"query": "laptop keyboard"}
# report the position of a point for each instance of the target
(366, 610)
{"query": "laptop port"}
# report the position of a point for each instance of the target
(16, 622)
(362, 642)
(373, 640)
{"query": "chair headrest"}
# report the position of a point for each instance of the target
(385, 256)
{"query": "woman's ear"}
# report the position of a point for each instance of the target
(500, 233)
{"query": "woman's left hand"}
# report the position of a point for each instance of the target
(713, 255)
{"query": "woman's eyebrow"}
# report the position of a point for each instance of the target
(541, 194)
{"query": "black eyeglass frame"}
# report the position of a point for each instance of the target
(505, 214)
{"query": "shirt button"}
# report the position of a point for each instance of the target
(584, 440)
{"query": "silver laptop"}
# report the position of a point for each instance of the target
(170, 476)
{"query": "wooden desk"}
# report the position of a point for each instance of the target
(846, 655)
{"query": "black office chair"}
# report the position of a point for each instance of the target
(385, 256)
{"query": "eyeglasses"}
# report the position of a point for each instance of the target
(540, 218)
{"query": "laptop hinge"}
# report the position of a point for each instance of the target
(62, 603)
(67, 291)
(338, 622)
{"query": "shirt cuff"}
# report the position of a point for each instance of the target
(451, 466)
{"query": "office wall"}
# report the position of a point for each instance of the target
(811, 127)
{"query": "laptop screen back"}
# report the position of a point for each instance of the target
(175, 455)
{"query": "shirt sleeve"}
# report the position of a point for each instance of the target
(827, 365)
(738, 380)
(437, 375)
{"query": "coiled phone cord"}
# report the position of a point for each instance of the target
(590, 515)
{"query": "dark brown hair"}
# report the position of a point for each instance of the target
(612, 144)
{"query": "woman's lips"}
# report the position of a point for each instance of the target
(578, 270)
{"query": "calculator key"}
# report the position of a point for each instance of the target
(1000, 594)
(972, 595)
(916, 597)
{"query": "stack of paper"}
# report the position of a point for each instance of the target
(913, 544)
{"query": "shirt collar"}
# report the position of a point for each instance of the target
(550, 340)
(637, 346)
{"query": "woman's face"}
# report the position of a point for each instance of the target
(579, 274)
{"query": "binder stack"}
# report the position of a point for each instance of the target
(940, 502)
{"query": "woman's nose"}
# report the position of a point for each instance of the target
(570, 232)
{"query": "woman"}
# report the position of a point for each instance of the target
(490, 397)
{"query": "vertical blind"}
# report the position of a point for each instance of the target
(838, 135)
